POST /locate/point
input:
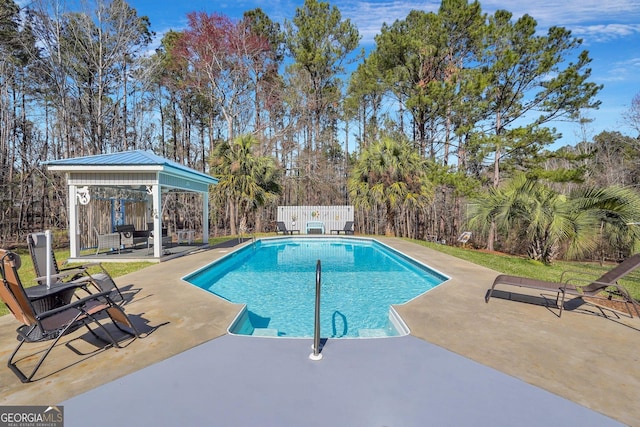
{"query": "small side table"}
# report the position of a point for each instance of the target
(58, 295)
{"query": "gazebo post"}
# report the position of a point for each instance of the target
(205, 218)
(157, 220)
(74, 238)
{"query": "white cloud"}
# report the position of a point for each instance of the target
(624, 71)
(606, 32)
(579, 16)
(369, 16)
(570, 12)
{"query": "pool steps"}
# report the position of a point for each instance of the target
(372, 333)
(265, 332)
(242, 326)
(397, 322)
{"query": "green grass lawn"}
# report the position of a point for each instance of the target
(501, 263)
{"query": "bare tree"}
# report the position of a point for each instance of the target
(220, 57)
(633, 114)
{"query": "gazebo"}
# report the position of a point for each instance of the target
(146, 173)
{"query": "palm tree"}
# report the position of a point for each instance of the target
(391, 175)
(614, 212)
(246, 181)
(545, 221)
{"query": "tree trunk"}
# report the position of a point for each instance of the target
(390, 223)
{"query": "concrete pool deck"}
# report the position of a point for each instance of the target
(465, 362)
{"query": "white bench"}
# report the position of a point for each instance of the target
(315, 227)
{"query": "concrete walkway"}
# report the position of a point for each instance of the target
(501, 363)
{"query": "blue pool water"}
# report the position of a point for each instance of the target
(275, 278)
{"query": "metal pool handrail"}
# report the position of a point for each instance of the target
(316, 355)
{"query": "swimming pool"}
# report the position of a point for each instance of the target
(275, 278)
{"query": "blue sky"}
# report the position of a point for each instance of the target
(610, 30)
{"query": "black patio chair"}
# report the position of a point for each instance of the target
(53, 324)
(347, 229)
(281, 227)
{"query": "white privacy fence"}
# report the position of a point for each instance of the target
(301, 217)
